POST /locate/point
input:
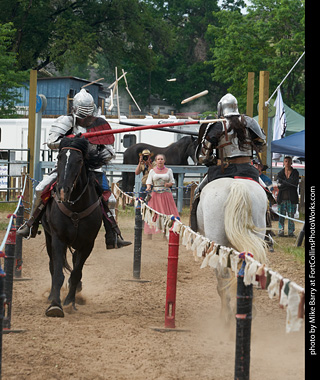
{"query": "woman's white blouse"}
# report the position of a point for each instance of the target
(158, 180)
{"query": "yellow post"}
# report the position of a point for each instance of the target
(103, 111)
(250, 94)
(68, 101)
(32, 117)
(263, 109)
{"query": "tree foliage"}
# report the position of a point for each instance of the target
(10, 77)
(200, 43)
(270, 37)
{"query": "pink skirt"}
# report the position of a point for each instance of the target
(163, 203)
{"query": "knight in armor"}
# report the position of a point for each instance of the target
(81, 120)
(227, 147)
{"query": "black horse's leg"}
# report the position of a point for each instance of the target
(59, 250)
(49, 251)
(74, 262)
(131, 180)
(80, 257)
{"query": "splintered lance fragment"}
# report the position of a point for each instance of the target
(196, 96)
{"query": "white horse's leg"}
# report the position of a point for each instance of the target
(210, 219)
(238, 222)
(225, 288)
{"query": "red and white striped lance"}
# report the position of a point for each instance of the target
(88, 135)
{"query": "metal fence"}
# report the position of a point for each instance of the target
(181, 193)
(13, 163)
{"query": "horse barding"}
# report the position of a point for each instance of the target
(72, 218)
(232, 213)
(176, 153)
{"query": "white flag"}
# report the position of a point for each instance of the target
(280, 122)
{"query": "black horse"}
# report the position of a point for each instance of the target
(176, 154)
(72, 218)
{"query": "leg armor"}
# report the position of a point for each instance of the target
(113, 234)
(30, 228)
(195, 202)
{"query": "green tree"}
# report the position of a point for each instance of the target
(178, 33)
(10, 77)
(61, 32)
(270, 37)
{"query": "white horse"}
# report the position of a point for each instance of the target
(232, 213)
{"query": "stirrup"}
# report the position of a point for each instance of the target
(25, 231)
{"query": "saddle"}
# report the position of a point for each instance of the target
(47, 192)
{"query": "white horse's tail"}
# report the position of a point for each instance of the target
(239, 226)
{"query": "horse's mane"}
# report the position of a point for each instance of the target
(92, 157)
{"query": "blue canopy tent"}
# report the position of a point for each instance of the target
(293, 145)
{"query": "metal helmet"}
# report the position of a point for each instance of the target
(228, 106)
(83, 104)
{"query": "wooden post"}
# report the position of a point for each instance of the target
(172, 272)
(117, 202)
(68, 101)
(243, 329)
(263, 109)
(138, 227)
(32, 117)
(192, 190)
(250, 94)
(27, 196)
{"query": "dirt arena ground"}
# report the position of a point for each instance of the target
(110, 336)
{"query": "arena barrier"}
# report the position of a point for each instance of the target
(252, 273)
(8, 251)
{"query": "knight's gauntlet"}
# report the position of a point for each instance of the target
(206, 156)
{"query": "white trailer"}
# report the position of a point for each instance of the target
(14, 134)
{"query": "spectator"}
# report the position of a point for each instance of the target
(144, 167)
(267, 181)
(161, 178)
(288, 179)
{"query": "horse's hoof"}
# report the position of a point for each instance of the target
(54, 311)
(79, 287)
(70, 300)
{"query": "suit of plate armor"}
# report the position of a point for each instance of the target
(83, 106)
(225, 142)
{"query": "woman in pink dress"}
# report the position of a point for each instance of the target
(161, 178)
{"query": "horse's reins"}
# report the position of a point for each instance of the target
(75, 216)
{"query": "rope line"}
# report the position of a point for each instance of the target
(12, 216)
(214, 254)
(268, 101)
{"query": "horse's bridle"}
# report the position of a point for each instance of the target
(86, 186)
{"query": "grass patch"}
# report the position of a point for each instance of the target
(297, 252)
(8, 207)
